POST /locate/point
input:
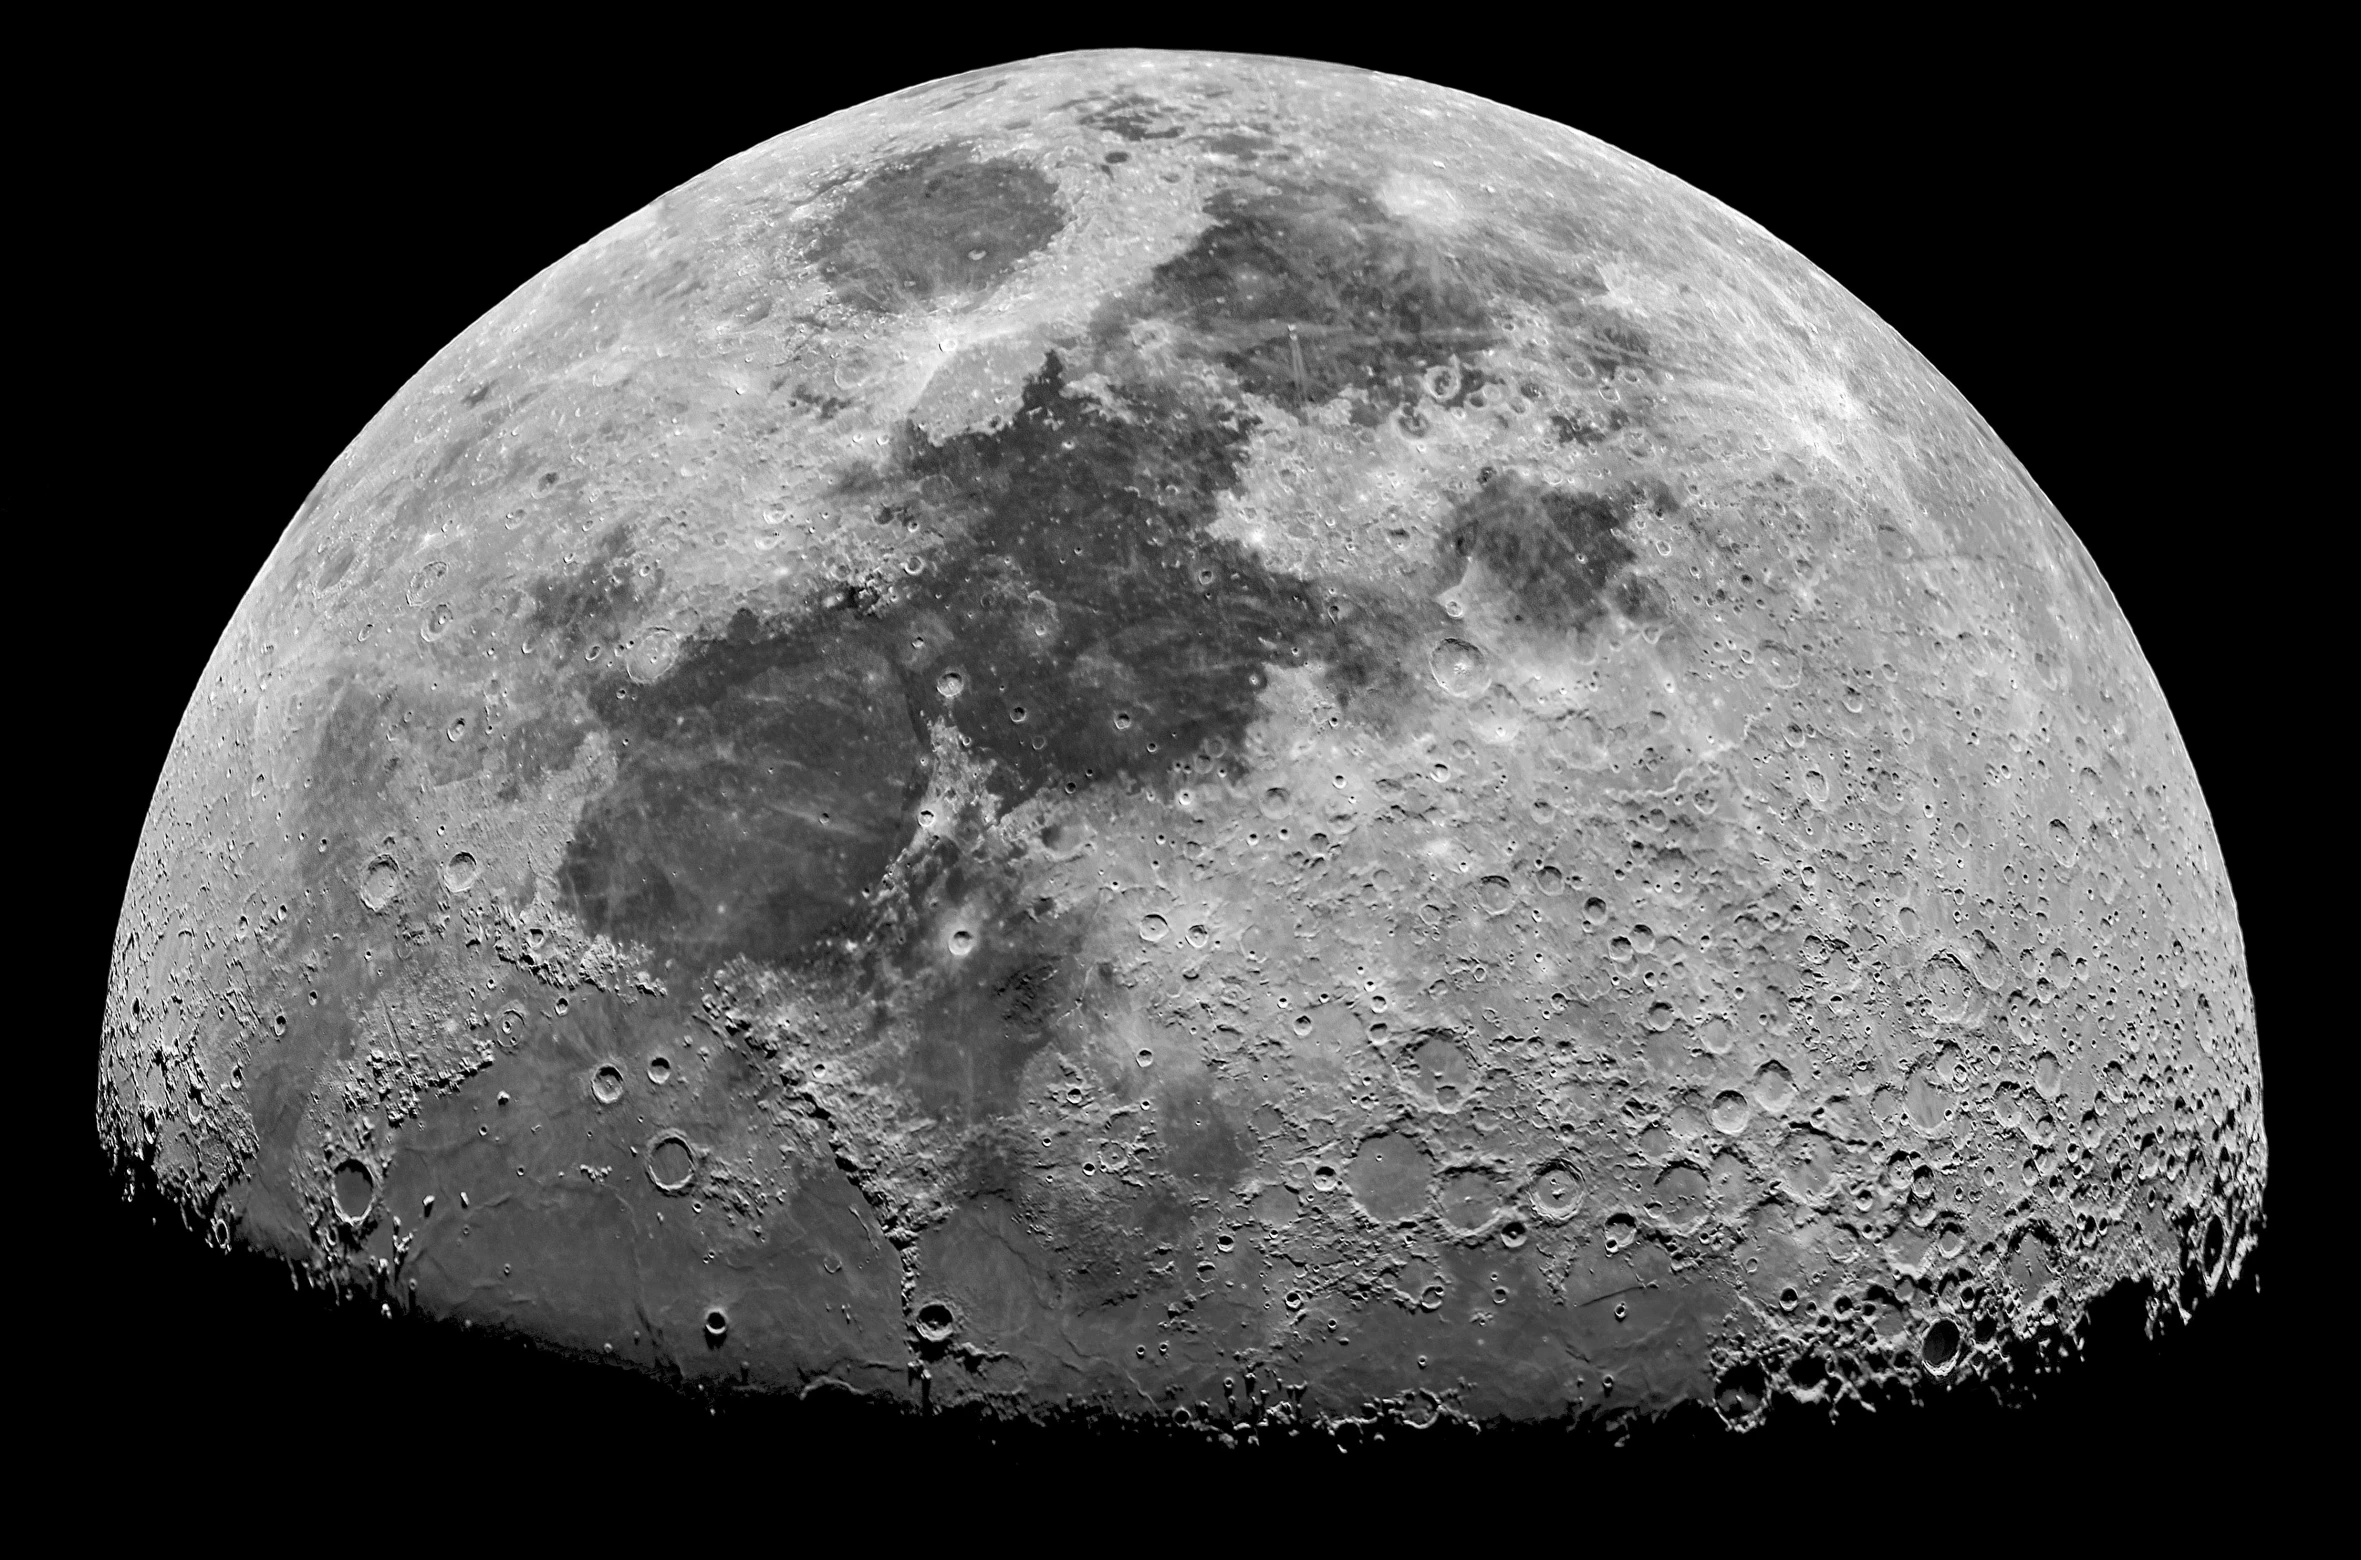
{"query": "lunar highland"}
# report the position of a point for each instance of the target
(1205, 737)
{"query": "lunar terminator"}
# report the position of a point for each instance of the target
(1152, 719)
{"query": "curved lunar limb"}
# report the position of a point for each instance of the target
(1152, 718)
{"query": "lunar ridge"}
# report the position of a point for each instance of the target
(1146, 719)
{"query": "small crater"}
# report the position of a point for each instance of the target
(672, 1164)
(651, 654)
(659, 1068)
(356, 1191)
(381, 883)
(1621, 1230)
(461, 871)
(606, 1085)
(425, 580)
(717, 1325)
(1679, 1198)
(1947, 985)
(1731, 1112)
(1740, 1392)
(935, 1321)
(1557, 1193)
(1460, 669)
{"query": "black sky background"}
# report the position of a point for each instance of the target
(287, 228)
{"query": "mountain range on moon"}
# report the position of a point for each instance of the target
(1149, 722)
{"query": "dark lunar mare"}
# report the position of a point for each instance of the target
(1559, 554)
(573, 611)
(1076, 622)
(1095, 634)
(1304, 295)
(941, 221)
(1097, 629)
(765, 786)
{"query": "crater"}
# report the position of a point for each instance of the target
(672, 1164)
(935, 1321)
(356, 1191)
(381, 883)
(1389, 1177)
(1468, 1200)
(1557, 1193)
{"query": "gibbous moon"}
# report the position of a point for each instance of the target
(1152, 721)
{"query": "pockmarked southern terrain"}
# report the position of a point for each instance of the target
(1193, 736)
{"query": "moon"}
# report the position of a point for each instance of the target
(1204, 738)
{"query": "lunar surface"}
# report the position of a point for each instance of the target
(1201, 737)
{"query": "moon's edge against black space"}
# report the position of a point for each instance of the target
(2026, 226)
